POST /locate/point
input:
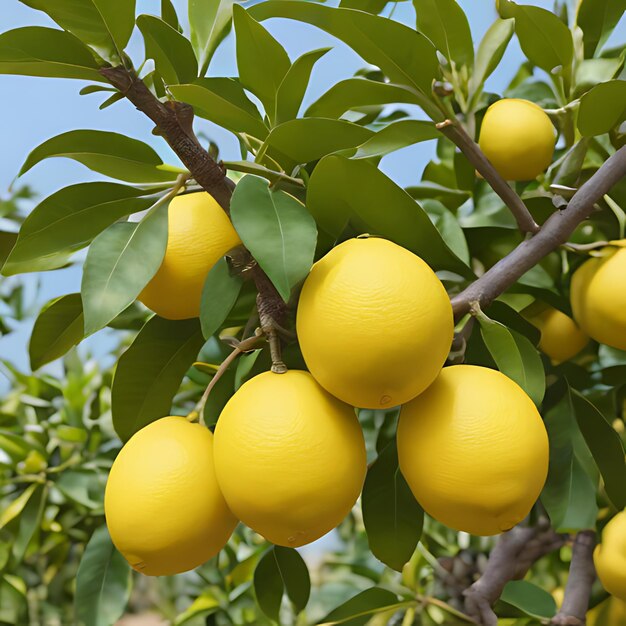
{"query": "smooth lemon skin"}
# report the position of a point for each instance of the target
(290, 458)
(474, 450)
(374, 323)
(163, 506)
(518, 138)
(561, 338)
(598, 297)
(611, 612)
(199, 234)
(609, 557)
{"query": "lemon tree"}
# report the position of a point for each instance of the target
(436, 372)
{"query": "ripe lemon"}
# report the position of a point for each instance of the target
(163, 507)
(561, 338)
(609, 557)
(199, 235)
(474, 450)
(611, 612)
(598, 296)
(518, 138)
(374, 323)
(290, 458)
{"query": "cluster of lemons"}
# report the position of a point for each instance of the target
(288, 458)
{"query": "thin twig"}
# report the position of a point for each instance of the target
(457, 134)
(554, 233)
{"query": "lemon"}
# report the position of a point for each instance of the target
(474, 450)
(290, 458)
(609, 557)
(561, 338)
(163, 507)
(199, 234)
(611, 612)
(598, 296)
(518, 138)
(374, 323)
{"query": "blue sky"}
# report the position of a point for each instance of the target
(35, 109)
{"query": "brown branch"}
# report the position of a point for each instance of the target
(174, 120)
(513, 556)
(553, 233)
(456, 133)
(582, 573)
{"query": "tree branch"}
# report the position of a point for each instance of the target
(174, 121)
(582, 573)
(513, 556)
(456, 133)
(554, 233)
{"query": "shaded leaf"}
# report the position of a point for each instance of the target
(120, 263)
(343, 190)
(529, 598)
(171, 51)
(245, 363)
(393, 519)
(224, 102)
(7, 242)
(103, 582)
(30, 520)
(69, 219)
(445, 24)
(449, 228)
(149, 373)
(169, 16)
(219, 295)
(254, 42)
(104, 24)
(47, 52)
(359, 609)
(58, 327)
(277, 229)
(597, 19)
(371, 6)
(105, 152)
(602, 108)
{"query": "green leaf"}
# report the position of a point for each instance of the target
(357, 93)
(111, 154)
(597, 19)
(172, 53)
(149, 373)
(103, 582)
(7, 243)
(343, 191)
(219, 295)
(602, 108)
(16, 506)
(490, 52)
(245, 363)
(605, 445)
(57, 328)
(254, 43)
(445, 24)
(281, 570)
(222, 101)
(404, 55)
(169, 15)
(393, 519)
(120, 263)
(105, 24)
(515, 357)
(308, 139)
(69, 219)
(210, 22)
(449, 228)
(359, 609)
(396, 136)
(569, 494)
(204, 605)
(529, 598)
(30, 521)
(371, 6)
(544, 38)
(293, 87)
(277, 229)
(40, 51)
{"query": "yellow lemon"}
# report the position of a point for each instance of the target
(609, 557)
(290, 458)
(474, 450)
(199, 235)
(561, 338)
(163, 506)
(611, 612)
(518, 138)
(374, 323)
(598, 296)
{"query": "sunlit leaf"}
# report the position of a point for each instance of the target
(602, 108)
(597, 19)
(219, 295)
